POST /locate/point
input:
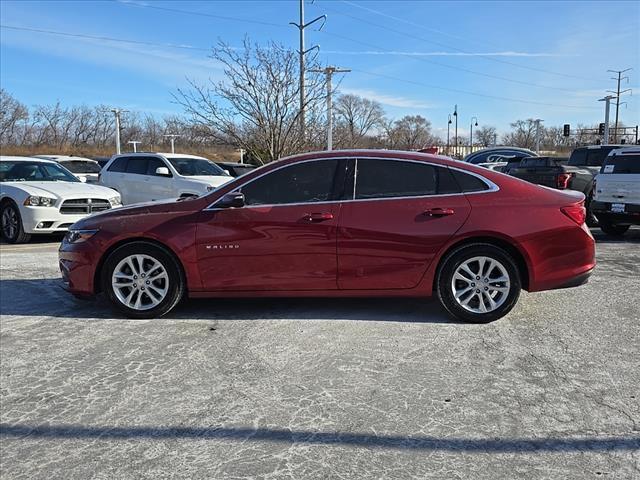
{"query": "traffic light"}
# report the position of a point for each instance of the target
(566, 130)
(601, 129)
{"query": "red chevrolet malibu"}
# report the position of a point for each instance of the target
(344, 224)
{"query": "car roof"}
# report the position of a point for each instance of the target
(65, 158)
(625, 151)
(235, 164)
(162, 154)
(11, 158)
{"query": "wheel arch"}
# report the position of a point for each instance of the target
(510, 248)
(97, 275)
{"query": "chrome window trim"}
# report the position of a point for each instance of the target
(492, 186)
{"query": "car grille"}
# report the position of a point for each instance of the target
(84, 205)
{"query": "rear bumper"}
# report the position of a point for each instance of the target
(602, 211)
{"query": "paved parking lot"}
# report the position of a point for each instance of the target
(320, 388)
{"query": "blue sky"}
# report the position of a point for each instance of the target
(499, 61)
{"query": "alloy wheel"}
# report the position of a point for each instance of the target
(480, 284)
(140, 282)
(9, 222)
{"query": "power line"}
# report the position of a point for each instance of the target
(110, 39)
(486, 57)
(466, 92)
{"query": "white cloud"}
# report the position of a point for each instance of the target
(390, 100)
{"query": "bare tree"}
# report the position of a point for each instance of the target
(485, 135)
(523, 134)
(411, 132)
(256, 106)
(355, 118)
(12, 113)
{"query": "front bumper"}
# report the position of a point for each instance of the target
(602, 210)
(47, 220)
(77, 264)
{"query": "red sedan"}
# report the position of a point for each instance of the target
(339, 224)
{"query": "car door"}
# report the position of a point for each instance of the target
(284, 238)
(402, 213)
(134, 180)
(158, 187)
(114, 177)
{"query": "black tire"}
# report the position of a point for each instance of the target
(455, 259)
(176, 283)
(615, 230)
(591, 220)
(18, 236)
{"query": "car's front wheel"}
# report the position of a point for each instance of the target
(142, 280)
(478, 283)
(11, 227)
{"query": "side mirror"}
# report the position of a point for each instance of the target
(231, 200)
(83, 179)
(163, 172)
(227, 172)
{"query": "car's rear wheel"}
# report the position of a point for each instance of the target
(11, 224)
(142, 280)
(616, 230)
(478, 283)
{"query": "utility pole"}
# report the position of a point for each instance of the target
(302, 52)
(455, 140)
(448, 125)
(117, 112)
(172, 137)
(618, 93)
(537, 122)
(241, 150)
(329, 71)
(607, 104)
(135, 145)
(471, 133)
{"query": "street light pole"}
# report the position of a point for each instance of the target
(117, 112)
(172, 137)
(537, 122)
(448, 125)
(471, 133)
(135, 145)
(455, 139)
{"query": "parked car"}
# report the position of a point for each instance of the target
(146, 177)
(82, 168)
(340, 224)
(102, 161)
(495, 158)
(576, 174)
(40, 196)
(236, 169)
(616, 202)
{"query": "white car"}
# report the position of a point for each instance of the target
(147, 177)
(616, 202)
(81, 167)
(41, 196)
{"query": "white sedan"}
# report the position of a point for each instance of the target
(40, 196)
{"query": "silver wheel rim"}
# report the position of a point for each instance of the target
(140, 282)
(481, 284)
(9, 222)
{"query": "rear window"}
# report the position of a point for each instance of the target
(469, 183)
(591, 157)
(621, 164)
(78, 166)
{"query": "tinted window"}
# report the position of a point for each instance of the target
(119, 165)
(35, 171)
(190, 167)
(393, 178)
(300, 183)
(446, 181)
(596, 157)
(469, 183)
(622, 164)
(153, 164)
(78, 166)
(137, 165)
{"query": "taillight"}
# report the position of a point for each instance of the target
(577, 213)
(562, 180)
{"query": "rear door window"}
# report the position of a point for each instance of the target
(137, 165)
(469, 183)
(119, 165)
(621, 164)
(382, 178)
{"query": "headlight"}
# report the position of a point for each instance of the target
(79, 236)
(34, 201)
(115, 201)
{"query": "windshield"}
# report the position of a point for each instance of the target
(34, 172)
(79, 166)
(190, 167)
